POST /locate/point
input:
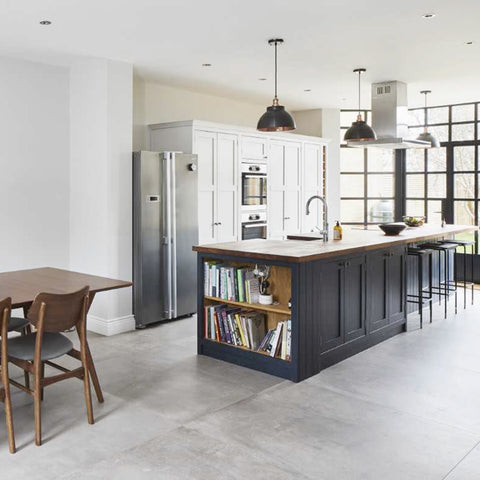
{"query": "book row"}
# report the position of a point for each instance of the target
(246, 328)
(237, 284)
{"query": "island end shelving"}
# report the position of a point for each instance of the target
(346, 296)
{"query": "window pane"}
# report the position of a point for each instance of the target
(437, 185)
(368, 117)
(347, 118)
(379, 160)
(464, 185)
(464, 212)
(463, 132)
(380, 185)
(380, 211)
(415, 208)
(464, 158)
(414, 132)
(434, 211)
(463, 113)
(342, 134)
(437, 159)
(351, 211)
(415, 160)
(465, 236)
(351, 159)
(415, 185)
(437, 115)
(441, 132)
(351, 185)
(416, 117)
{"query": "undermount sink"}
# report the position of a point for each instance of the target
(305, 236)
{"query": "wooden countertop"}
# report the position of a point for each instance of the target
(354, 241)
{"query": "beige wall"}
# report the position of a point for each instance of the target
(156, 103)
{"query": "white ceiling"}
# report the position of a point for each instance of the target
(168, 40)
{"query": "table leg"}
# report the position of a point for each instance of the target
(91, 365)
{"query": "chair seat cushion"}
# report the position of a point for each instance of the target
(17, 324)
(53, 345)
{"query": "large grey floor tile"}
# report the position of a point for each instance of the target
(468, 468)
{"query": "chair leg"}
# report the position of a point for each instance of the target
(86, 387)
(8, 409)
(430, 284)
(93, 374)
(26, 376)
(37, 400)
(42, 372)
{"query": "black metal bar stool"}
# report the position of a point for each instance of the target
(419, 298)
(464, 244)
(444, 287)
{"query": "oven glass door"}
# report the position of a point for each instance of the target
(254, 230)
(254, 189)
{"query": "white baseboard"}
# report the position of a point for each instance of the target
(110, 327)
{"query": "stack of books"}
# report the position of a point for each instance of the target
(247, 328)
(237, 284)
(278, 341)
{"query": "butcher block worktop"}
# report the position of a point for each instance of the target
(354, 240)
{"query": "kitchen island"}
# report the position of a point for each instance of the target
(341, 297)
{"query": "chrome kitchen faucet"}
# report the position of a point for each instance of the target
(324, 230)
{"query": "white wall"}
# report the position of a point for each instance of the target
(325, 123)
(101, 184)
(156, 103)
(34, 159)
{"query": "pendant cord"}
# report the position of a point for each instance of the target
(359, 90)
(275, 69)
(425, 114)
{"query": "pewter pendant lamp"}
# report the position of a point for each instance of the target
(359, 129)
(276, 118)
(426, 136)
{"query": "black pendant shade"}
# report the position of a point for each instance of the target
(360, 130)
(276, 118)
(425, 135)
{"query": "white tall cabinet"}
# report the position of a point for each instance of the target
(296, 166)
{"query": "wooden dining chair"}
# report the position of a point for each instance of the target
(52, 314)
(5, 309)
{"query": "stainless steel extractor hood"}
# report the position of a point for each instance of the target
(390, 118)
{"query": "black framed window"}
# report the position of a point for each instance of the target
(434, 182)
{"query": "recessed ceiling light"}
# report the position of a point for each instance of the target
(468, 43)
(262, 79)
(428, 15)
(307, 90)
(206, 64)
(45, 22)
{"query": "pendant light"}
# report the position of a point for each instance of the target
(426, 136)
(359, 129)
(276, 118)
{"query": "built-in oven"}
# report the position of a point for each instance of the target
(254, 225)
(254, 186)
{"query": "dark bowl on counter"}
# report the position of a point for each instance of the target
(392, 229)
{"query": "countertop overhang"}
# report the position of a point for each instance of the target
(354, 241)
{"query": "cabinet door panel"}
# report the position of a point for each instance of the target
(331, 294)
(354, 298)
(206, 220)
(226, 187)
(253, 148)
(292, 166)
(292, 218)
(396, 286)
(312, 185)
(377, 301)
(276, 215)
(276, 170)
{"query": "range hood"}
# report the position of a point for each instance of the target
(389, 118)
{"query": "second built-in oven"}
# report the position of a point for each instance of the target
(254, 225)
(254, 186)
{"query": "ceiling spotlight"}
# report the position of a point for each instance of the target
(468, 43)
(262, 79)
(206, 64)
(428, 15)
(307, 90)
(45, 22)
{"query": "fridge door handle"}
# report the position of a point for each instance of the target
(173, 243)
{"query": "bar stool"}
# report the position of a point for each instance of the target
(445, 287)
(464, 244)
(419, 297)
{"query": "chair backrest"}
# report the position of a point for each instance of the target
(62, 311)
(5, 309)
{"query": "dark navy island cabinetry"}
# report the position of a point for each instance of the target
(346, 296)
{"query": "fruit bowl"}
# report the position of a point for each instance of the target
(414, 221)
(392, 229)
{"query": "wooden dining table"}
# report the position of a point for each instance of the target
(24, 285)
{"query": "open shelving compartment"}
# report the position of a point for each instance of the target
(280, 280)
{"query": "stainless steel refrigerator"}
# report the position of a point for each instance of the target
(165, 227)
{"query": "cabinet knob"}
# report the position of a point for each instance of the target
(341, 264)
(286, 218)
(347, 264)
(219, 223)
